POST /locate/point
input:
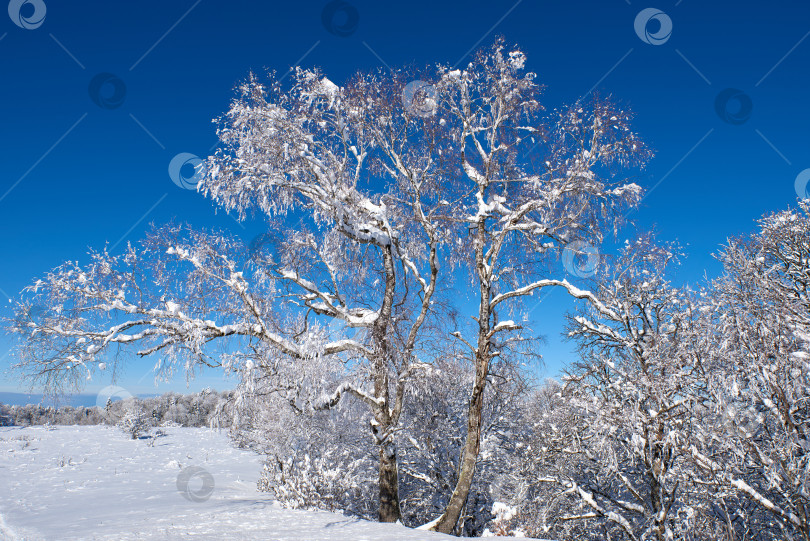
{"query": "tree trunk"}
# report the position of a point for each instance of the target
(469, 455)
(389, 484)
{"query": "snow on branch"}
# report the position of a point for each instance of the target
(572, 290)
(329, 401)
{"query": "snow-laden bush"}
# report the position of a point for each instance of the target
(316, 458)
(135, 422)
(6, 418)
(501, 524)
(332, 480)
(319, 460)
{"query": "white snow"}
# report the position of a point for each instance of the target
(91, 482)
(503, 511)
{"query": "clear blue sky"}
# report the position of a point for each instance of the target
(75, 174)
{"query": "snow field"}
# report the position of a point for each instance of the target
(92, 483)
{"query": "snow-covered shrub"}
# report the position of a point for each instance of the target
(6, 416)
(332, 480)
(321, 460)
(502, 523)
(135, 422)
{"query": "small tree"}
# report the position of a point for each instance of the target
(351, 285)
(135, 420)
(636, 384)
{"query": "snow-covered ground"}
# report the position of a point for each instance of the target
(92, 482)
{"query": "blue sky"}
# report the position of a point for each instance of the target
(77, 174)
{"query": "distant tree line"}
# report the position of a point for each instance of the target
(204, 409)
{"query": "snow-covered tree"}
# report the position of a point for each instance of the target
(135, 421)
(350, 285)
(606, 455)
(636, 385)
(365, 188)
(368, 173)
(756, 453)
(533, 185)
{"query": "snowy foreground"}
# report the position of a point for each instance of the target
(91, 482)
